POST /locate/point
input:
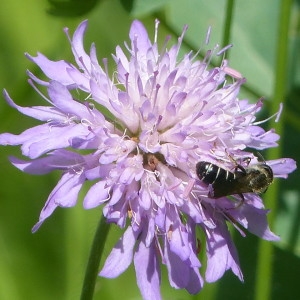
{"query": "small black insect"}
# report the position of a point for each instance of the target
(252, 179)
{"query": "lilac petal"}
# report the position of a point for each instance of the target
(117, 213)
(131, 173)
(43, 138)
(193, 243)
(63, 100)
(221, 254)
(234, 263)
(117, 194)
(139, 35)
(101, 93)
(37, 167)
(12, 139)
(27, 135)
(179, 243)
(90, 141)
(100, 171)
(36, 79)
(191, 209)
(192, 280)
(57, 138)
(82, 59)
(255, 220)
(121, 255)
(80, 80)
(122, 64)
(196, 281)
(215, 270)
(145, 196)
(176, 267)
(47, 211)
(253, 199)
(42, 113)
(65, 194)
(261, 139)
(55, 70)
(282, 167)
(97, 194)
(147, 270)
(58, 159)
(150, 232)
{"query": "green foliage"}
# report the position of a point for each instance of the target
(71, 8)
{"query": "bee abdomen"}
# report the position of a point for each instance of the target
(212, 174)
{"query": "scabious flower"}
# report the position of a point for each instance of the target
(166, 113)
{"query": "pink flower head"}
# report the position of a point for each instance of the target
(166, 113)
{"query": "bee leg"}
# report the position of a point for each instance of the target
(237, 165)
(241, 168)
(241, 202)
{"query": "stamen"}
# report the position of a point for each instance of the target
(85, 122)
(207, 38)
(277, 114)
(157, 86)
(156, 30)
(66, 31)
(180, 39)
(89, 96)
(160, 117)
(164, 48)
(126, 81)
(206, 42)
(224, 49)
(187, 191)
(233, 73)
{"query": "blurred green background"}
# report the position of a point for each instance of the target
(51, 263)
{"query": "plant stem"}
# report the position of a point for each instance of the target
(94, 260)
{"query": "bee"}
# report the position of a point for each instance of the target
(250, 179)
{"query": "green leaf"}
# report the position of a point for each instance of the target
(146, 7)
(71, 8)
